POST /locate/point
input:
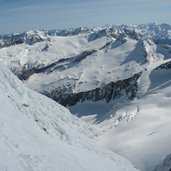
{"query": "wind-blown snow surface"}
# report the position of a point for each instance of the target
(38, 134)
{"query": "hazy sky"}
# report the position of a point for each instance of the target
(20, 15)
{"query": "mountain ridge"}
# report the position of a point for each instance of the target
(38, 134)
(115, 79)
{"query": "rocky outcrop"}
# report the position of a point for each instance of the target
(165, 165)
(70, 32)
(97, 35)
(62, 64)
(166, 65)
(108, 92)
(160, 34)
(26, 37)
(121, 34)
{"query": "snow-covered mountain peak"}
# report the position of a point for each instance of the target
(150, 50)
(156, 28)
(157, 32)
(38, 33)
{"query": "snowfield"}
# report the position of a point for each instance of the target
(117, 79)
(38, 134)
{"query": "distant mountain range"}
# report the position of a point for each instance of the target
(158, 32)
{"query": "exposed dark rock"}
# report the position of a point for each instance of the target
(121, 34)
(44, 129)
(83, 55)
(166, 65)
(61, 64)
(25, 105)
(15, 39)
(165, 165)
(106, 45)
(97, 35)
(69, 32)
(45, 49)
(108, 92)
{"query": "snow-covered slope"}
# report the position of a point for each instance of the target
(140, 130)
(38, 134)
(106, 76)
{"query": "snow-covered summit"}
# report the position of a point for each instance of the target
(158, 32)
(29, 37)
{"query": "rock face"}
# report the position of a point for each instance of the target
(111, 91)
(165, 165)
(29, 38)
(166, 65)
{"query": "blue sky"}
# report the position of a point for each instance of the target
(20, 15)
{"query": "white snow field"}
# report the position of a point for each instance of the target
(37, 134)
(46, 136)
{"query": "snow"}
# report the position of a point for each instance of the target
(139, 129)
(114, 59)
(59, 47)
(147, 133)
(113, 62)
(38, 134)
(92, 112)
(85, 75)
(159, 79)
(164, 50)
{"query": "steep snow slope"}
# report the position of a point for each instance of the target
(38, 134)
